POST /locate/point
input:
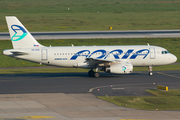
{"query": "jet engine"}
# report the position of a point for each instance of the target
(119, 68)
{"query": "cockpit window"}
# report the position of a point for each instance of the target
(165, 52)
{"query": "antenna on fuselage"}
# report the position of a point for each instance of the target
(148, 44)
(72, 45)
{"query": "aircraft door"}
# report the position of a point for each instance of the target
(152, 53)
(44, 54)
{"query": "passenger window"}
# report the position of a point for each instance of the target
(54, 53)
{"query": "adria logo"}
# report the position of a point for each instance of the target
(123, 68)
(20, 32)
(117, 54)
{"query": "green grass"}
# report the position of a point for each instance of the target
(53, 15)
(41, 70)
(171, 44)
(158, 68)
(74, 70)
(162, 100)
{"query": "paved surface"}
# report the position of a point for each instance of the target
(60, 106)
(101, 34)
(72, 96)
(132, 84)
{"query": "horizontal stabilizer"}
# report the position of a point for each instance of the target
(15, 53)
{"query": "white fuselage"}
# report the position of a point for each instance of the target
(69, 56)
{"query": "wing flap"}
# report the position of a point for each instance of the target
(103, 62)
(100, 62)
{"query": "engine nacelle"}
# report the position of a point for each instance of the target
(120, 68)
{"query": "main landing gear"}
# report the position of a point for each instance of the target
(150, 71)
(93, 74)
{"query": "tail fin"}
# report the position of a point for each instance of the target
(20, 36)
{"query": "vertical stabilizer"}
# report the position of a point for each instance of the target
(20, 36)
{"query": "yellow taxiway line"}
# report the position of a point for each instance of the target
(168, 75)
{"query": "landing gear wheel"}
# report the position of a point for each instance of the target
(96, 74)
(91, 73)
(150, 73)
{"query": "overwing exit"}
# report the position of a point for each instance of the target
(111, 59)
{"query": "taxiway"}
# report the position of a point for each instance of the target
(101, 34)
(111, 84)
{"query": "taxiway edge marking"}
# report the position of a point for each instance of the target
(168, 75)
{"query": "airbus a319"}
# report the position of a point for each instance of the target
(118, 59)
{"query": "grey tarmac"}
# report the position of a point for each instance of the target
(67, 96)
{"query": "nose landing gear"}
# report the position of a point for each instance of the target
(150, 71)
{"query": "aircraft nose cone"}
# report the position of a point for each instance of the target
(174, 59)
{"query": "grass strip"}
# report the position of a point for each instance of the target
(27, 70)
(158, 68)
(46, 15)
(161, 100)
(41, 70)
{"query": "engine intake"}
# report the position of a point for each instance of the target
(119, 68)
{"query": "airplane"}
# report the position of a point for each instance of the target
(117, 59)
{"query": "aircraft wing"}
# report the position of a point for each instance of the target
(103, 62)
(100, 62)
